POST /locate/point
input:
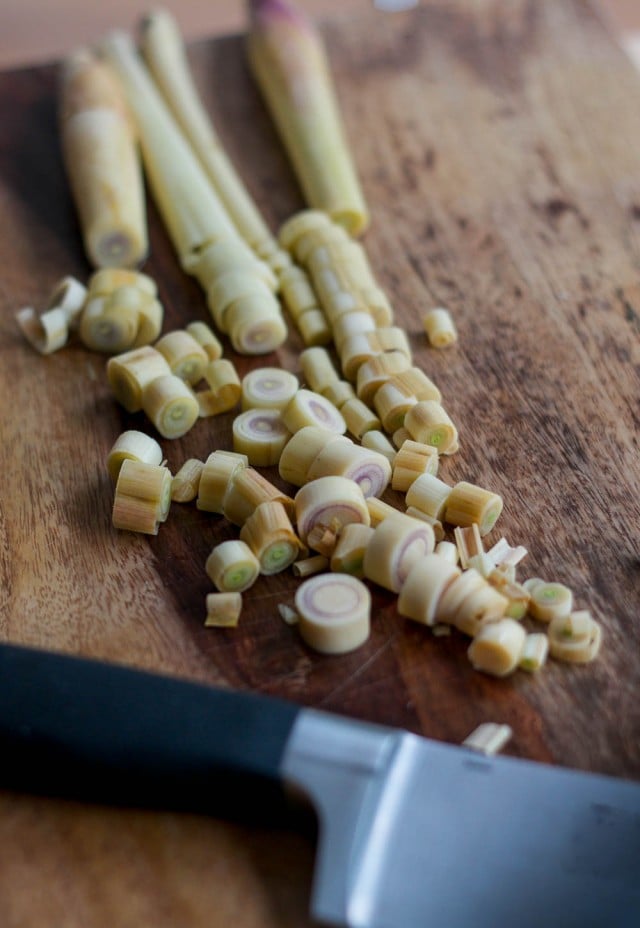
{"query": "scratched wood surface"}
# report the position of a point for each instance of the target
(498, 147)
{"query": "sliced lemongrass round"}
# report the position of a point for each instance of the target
(392, 406)
(298, 296)
(310, 408)
(468, 582)
(47, 332)
(378, 305)
(223, 610)
(225, 388)
(339, 392)
(314, 328)
(107, 326)
(429, 494)
(439, 327)
(376, 440)
(379, 510)
(334, 612)
(206, 338)
(300, 452)
(135, 515)
(299, 224)
(448, 551)
(575, 638)
(69, 295)
(429, 423)
(184, 355)
(318, 369)
(398, 438)
(142, 497)
(171, 406)
(107, 279)
(368, 469)
(216, 259)
(328, 504)
(468, 503)
(268, 388)
(261, 435)
(550, 600)
(534, 653)
(233, 285)
(425, 583)
(246, 490)
(232, 566)
(150, 319)
(480, 607)
(359, 418)
(396, 544)
(186, 483)
(270, 535)
(497, 648)
(130, 373)
(348, 554)
(351, 324)
(218, 471)
(378, 370)
(135, 446)
(255, 333)
(411, 461)
(414, 381)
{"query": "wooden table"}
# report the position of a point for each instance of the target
(498, 147)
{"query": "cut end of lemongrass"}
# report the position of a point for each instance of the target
(47, 332)
(223, 610)
(440, 328)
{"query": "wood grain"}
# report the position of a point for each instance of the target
(497, 144)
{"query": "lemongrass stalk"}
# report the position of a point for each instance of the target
(164, 52)
(191, 209)
(289, 63)
(102, 163)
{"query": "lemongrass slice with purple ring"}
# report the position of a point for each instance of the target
(334, 612)
(396, 544)
(261, 435)
(342, 458)
(329, 503)
(309, 408)
(268, 388)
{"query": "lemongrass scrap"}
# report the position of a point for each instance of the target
(489, 738)
(223, 610)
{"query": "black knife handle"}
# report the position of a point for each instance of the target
(100, 732)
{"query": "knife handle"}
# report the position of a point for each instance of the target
(103, 733)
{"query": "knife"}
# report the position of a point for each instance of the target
(413, 833)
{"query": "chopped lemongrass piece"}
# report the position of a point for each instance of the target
(130, 373)
(411, 461)
(482, 563)
(289, 63)
(47, 332)
(268, 388)
(318, 369)
(429, 494)
(232, 566)
(503, 553)
(439, 327)
(427, 580)
(448, 550)
(306, 220)
(428, 422)
(106, 280)
(549, 601)
(310, 408)
(396, 544)
(339, 392)
(359, 418)
(150, 318)
(184, 355)
(255, 325)
(107, 326)
(468, 503)
(309, 566)
(376, 440)
(102, 163)
(435, 524)
(469, 542)
(224, 388)
(351, 324)
(246, 490)
(186, 483)
(219, 470)
(348, 554)
(334, 612)
(328, 504)
(516, 593)
(376, 370)
(301, 451)
(379, 510)
(142, 497)
(288, 614)
(481, 606)
(534, 652)
(232, 285)
(399, 437)
(489, 738)
(468, 582)
(270, 535)
(69, 295)
(223, 610)
(171, 406)
(370, 470)
(206, 338)
(314, 328)
(261, 435)
(165, 55)
(531, 583)
(575, 638)
(392, 406)
(135, 446)
(497, 648)
(414, 380)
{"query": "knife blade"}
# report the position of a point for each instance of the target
(412, 832)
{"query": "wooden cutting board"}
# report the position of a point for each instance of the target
(498, 145)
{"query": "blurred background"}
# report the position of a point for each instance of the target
(36, 31)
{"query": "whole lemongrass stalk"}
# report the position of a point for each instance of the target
(164, 52)
(191, 209)
(289, 63)
(102, 162)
